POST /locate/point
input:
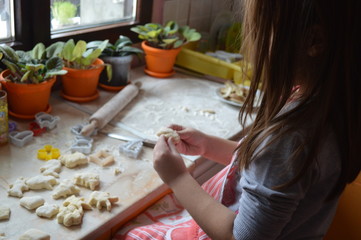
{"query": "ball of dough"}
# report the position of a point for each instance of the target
(169, 133)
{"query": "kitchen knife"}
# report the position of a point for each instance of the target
(146, 142)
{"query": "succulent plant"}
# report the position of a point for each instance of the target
(169, 36)
(32, 66)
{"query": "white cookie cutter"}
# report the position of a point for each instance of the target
(82, 144)
(131, 148)
(77, 129)
(19, 139)
(46, 120)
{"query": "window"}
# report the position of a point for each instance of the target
(6, 20)
(38, 21)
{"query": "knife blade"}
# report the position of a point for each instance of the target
(146, 142)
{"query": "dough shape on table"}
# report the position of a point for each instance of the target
(73, 160)
(4, 213)
(47, 210)
(87, 179)
(51, 168)
(34, 234)
(41, 182)
(102, 158)
(64, 189)
(18, 187)
(102, 199)
(72, 211)
(31, 203)
(169, 133)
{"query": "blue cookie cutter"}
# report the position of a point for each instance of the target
(19, 139)
(131, 148)
(77, 129)
(82, 144)
(46, 120)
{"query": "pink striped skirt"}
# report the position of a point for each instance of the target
(167, 219)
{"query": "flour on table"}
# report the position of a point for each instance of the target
(51, 168)
(47, 211)
(72, 211)
(102, 199)
(64, 189)
(4, 213)
(18, 187)
(41, 182)
(87, 179)
(34, 234)
(73, 160)
(31, 203)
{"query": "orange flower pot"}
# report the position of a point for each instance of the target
(159, 62)
(80, 85)
(26, 100)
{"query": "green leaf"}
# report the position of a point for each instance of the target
(9, 53)
(25, 77)
(54, 72)
(54, 50)
(90, 58)
(54, 63)
(38, 52)
(67, 52)
(79, 49)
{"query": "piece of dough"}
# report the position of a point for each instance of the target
(51, 168)
(47, 211)
(102, 199)
(41, 182)
(18, 187)
(73, 160)
(72, 211)
(34, 234)
(4, 213)
(169, 133)
(31, 203)
(87, 179)
(102, 158)
(65, 189)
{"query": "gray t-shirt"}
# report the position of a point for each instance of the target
(297, 212)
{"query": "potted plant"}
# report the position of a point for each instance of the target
(119, 55)
(83, 66)
(162, 44)
(64, 14)
(28, 79)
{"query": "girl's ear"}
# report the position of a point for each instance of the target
(316, 41)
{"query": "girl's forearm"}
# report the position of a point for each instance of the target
(219, 149)
(205, 210)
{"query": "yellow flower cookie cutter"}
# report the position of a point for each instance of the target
(48, 153)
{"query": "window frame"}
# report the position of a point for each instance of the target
(32, 25)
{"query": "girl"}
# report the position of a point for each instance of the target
(287, 173)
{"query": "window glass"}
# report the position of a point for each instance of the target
(6, 20)
(70, 15)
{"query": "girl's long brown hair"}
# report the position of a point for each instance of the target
(317, 44)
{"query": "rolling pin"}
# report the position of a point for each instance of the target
(109, 110)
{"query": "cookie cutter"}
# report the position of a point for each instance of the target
(12, 126)
(48, 153)
(36, 129)
(19, 139)
(77, 130)
(131, 148)
(82, 144)
(46, 120)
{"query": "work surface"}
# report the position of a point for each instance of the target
(180, 99)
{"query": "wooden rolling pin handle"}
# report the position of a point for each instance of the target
(88, 129)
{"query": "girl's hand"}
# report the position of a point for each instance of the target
(167, 161)
(193, 142)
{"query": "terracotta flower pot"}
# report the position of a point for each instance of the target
(80, 85)
(26, 100)
(159, 62)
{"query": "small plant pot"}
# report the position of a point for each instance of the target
(26, 100)
(159, 62)
(121, 73)
(80, 85)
